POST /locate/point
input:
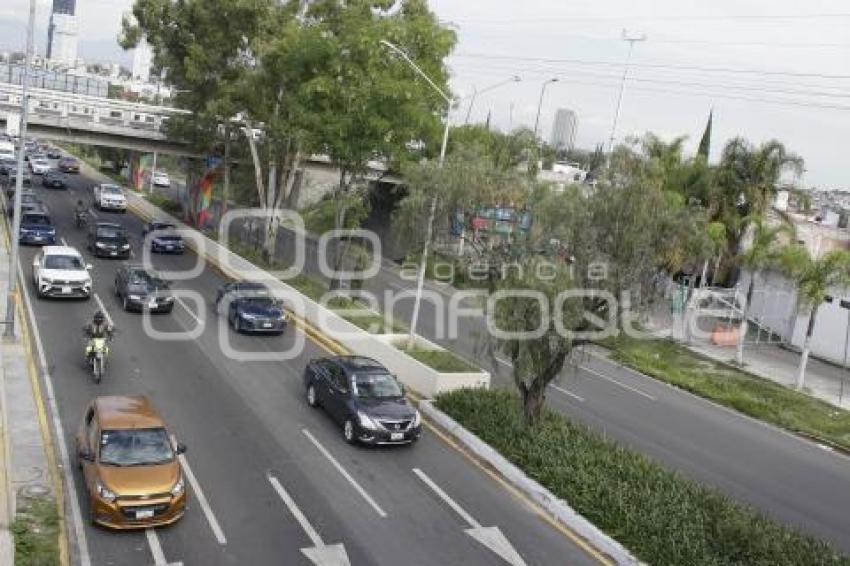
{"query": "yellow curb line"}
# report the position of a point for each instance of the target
(47, 437)
(334, 347)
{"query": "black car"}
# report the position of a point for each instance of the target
(141, 290)
(54, 180)
(364, 397)
(8, 165)
(252, 308)
(106, 239)
(164, 237)
(37, 228)
(54, 153)
(28, 201)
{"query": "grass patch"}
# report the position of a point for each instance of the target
(441, 360)
(660, 516)
(739, 390)
(170, 206)
(36, 532)
(319, 217)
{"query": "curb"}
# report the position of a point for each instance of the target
(558, 509)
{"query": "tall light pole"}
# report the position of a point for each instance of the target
(420, 280)
(540, 102)
(19, 181)
(476, 92)
(632, 39)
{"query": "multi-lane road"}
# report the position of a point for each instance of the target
(269, 476)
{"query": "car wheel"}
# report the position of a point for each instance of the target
(348, 431)
(311, 396)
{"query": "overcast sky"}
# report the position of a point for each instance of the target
(791, 63)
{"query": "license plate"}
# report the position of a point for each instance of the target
(152, 304)
(394, 436)
(267, 325)
(144, 513)
(113, 253)
(169, 248)
(66, 290)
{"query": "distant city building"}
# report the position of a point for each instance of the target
(142, 60)
(564, 129)
(62, 33)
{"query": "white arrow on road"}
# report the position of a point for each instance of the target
(320, 554)
(491, 537)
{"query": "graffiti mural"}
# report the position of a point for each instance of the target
(201, 209)
(141, 166)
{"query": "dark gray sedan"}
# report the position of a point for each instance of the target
(139, 289)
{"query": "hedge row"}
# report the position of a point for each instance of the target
(659, 515)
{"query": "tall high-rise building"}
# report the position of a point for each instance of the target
(62, 33)
(142, 59)
(564, 129)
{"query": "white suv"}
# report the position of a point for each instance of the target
(110, 197)
(61, 271)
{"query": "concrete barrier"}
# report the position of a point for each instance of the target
(320, 322)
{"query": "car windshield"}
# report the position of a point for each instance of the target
(376, 386)
(41, 162)
(137, 447)
(145, 278)
(110, 190)
(36, 220)
(67, 262)
(110, 232)
(261, 302)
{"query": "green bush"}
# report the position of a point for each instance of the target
(660, 516)
(441, 360)
(170, 206)
(36, 532)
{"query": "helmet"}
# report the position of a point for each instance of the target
(98, 317)
(79, 203)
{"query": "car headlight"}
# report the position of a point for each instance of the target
(125, 247)
(134, 297)
(366, 421)
(417, 419)
(178, 488)
(46, 281)
(99, 245)
(248, 316)
(87, 283)
(168, 299)
(105, 493)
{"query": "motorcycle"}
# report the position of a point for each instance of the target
(97, 350)
(81, 218)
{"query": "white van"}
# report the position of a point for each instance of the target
(7, 149)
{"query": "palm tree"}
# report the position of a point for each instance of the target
(763, 252)
(814, 277)
(746, 182)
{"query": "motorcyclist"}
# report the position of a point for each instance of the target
(98, 328)
(80, 211)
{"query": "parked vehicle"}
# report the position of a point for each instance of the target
(60, 271)
(140, 289)
(364, 397)
(164, 237)
(36, 228)
(131, 474)
(68, 165)
(106, 239)
(54, 180)
(252, 308)
(109, 197)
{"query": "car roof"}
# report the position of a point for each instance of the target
(253, 285)
(360, 364)
(109, 185)
(108, 225)
(126, 411)
(60, 250)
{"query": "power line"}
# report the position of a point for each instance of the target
(685, 41)
(650, 66)
(682, 17)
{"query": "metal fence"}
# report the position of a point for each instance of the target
(12, 73)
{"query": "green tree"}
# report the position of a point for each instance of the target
(763, 251)
(705, 143)
(815, 277)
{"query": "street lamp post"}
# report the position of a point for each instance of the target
(420, 280)
(632, 39)
(540, 102)
(476, 92)
(19, 181)
(845, 304)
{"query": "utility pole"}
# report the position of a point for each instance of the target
(632, 39)
(540, 103)
(19, 181)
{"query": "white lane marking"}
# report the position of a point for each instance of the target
(103, 309)
(567, 392)
(186, 308)
(445, 497)
(345, 474)
(68, 471)
(156, 549)
(64, 243)
(619, 383)
(296, 512)
(202, 499)
(92, 212)
(825, 447)
(504, 362)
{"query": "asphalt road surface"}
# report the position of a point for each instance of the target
(272, 476)
(795, 481)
